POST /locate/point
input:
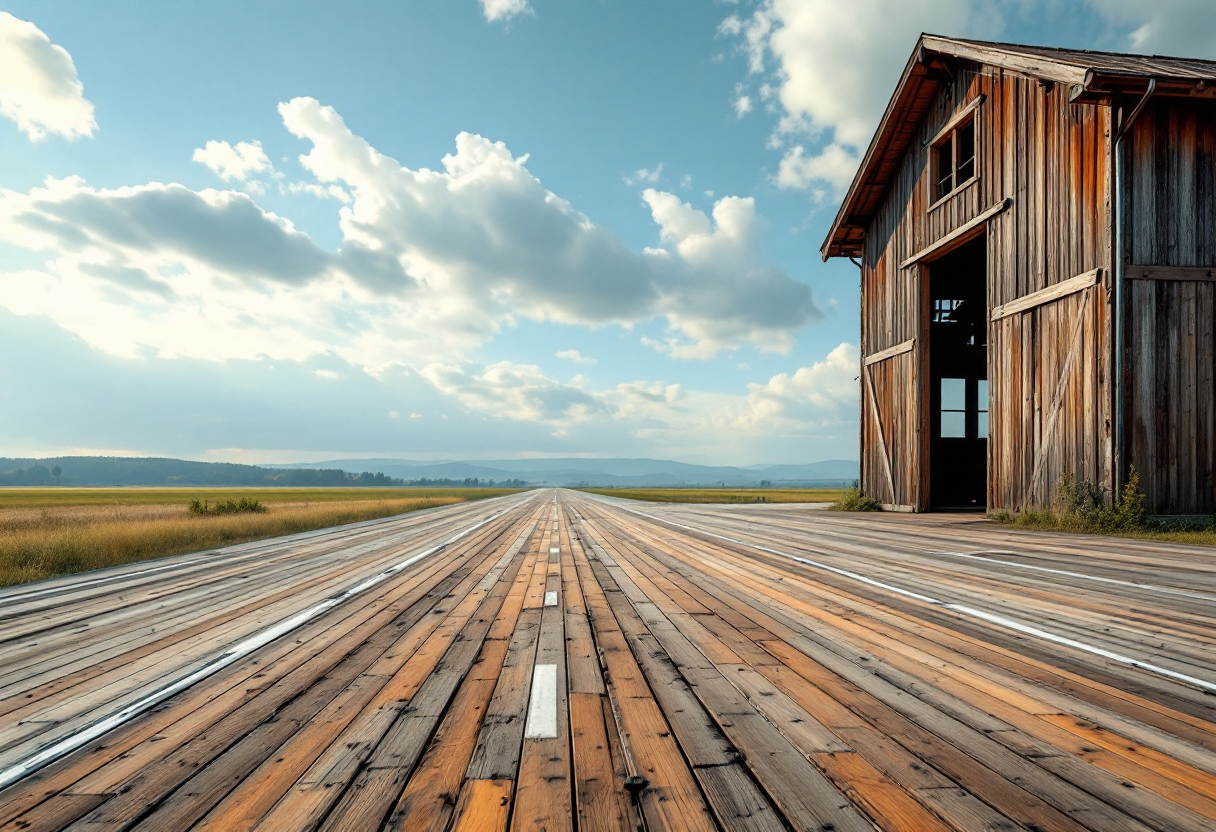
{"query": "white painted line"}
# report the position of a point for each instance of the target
(550, 599)
(74, 585)
(1150, 587)
(971, 612)
(542, 709)
(555, 550)
(233, 654)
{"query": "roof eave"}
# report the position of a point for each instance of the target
(827, 249)
(1085, 85)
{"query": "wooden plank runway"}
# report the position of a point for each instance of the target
(584, 663)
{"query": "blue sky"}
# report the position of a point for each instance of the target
(459, 229)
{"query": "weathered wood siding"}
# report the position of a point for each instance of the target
(1052, 371)
(1052, 159)
(1169, 219)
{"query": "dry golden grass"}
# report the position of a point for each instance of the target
(724, 495)
(40, 541)
(13, 497)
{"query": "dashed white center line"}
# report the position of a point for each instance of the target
(542, 709)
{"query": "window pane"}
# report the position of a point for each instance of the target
(982, 425)
(966, 170)
(942, 310)
(954, 394)
(954, 424)
(944, 168)
(965, 141)
(982, 395)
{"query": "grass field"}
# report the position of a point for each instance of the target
(58, 531)
(724, 495)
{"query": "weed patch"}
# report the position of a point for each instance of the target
(245, 505)
(854, 500)
(1081, 506)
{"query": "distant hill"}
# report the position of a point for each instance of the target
(611, 472)
(155, 471)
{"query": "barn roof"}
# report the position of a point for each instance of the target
(1091, 77)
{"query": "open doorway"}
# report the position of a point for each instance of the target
(958, 378)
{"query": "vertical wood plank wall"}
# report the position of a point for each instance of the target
(1169, 219)
(1053, 159)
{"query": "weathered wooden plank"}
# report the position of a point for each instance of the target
(1052, 293)
(890, 352)
(484, 806)
(959, 235)
(1180, 273)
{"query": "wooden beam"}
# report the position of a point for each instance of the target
(1052, 293)
(890, 352)
(900, 507)
(958, 118)
(882, 442)
(1204, 273)
(959, 235)
(1036, 66)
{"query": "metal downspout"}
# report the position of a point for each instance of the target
(861, 347)
(1117, 258)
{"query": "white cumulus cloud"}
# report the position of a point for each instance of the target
(834, 164)
(515, 391)
(820, 394)
(483, 231)
(39, 88)
(1165, 27)
(432, 264)
(504, 10)
(575, 356)
(230, 162)
(651, 175)
(830, 67)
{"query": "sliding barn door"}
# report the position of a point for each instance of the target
(1169, 310)
(890, 422)
(892, 369)
(1170, 388)
(1050, 408)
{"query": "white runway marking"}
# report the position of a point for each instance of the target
(212, 666)
(34, 593)
(542, 709)
(555, 550)
(550, 599)
(1150, 587)
(970, 612)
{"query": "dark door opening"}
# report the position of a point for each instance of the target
(958, 378)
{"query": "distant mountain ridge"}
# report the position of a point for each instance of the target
(609, 471)
(163, 471)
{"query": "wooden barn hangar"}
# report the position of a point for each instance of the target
(1036, 232)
